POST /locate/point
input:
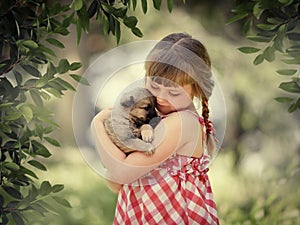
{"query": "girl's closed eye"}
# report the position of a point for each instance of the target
(154, 86)
(174, 93)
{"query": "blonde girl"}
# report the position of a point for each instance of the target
(171, 186)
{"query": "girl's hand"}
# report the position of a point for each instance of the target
(104, 114)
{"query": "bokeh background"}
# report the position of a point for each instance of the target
(255, 177)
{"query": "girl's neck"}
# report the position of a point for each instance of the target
(190, 108)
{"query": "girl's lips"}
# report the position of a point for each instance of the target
(162, 104)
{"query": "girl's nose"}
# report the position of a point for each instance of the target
(161, 95)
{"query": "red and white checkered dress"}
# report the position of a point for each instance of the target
(177, 192)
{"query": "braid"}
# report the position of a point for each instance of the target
(205, 115)
(211, 139)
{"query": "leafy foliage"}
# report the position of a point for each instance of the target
(29, 77)
(26, 124)
(112, 14)
(275, 24)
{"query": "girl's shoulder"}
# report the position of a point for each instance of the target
(187, 119)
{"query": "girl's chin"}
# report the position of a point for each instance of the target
(165, 109)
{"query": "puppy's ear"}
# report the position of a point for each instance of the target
(127, 101)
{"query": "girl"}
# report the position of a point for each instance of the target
(171, 186)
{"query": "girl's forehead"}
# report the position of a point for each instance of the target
(174, 85)
(164, 81)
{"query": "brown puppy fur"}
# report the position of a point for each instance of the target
(131, 124)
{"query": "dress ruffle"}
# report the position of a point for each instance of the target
(177, 192)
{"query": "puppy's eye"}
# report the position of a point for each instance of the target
(147, 107)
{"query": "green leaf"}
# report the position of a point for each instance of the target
(42, 81)
(40, 149)
(55, 42)
(63, 66)
(54, 92)
(117, 30)
(248, 50)
(79, 31)
(11, 166)
(130, 21)
(18, 218)
(62, 201)
(61, 30)
(295, 61)
(144, 6)
(45, 95)
(293, 36)
(33, 193)
(290, 86)
(269, 54)
(50, 208)
(47, 50)
(38, 208)
(170, 5)
(51, 70)
(76, 5)
(26, 112)
(278, 43)
(283, 99)
(13, 116)
(45, 188)
(30, 44)
(39, 130)
(137, 32)
(120, 12)
(105, 25)
(37, 164)
(5, 105)
(134, 3)
(24, 170)
(31, 70)
(18, 77)
(80, 79)
(57, 86)
(65, 84)
(259, 38)
(57, 188)
(293, 107)
(94, 6)
(12, 192)
(286, 2)
(237, 17)
(246, 26)
(52, 141)
(258, 59)
(287, 72)
(75, 66)
(258, 10)
(157, 4)
(267, 27)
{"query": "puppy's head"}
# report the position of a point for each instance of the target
(141, 106)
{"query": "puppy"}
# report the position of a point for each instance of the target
(132, 121)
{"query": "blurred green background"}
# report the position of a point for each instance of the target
(255, 177)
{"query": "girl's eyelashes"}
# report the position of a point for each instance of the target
(154, 86)
(174, 93)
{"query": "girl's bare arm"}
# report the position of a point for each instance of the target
(170, 135)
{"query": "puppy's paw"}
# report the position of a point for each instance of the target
(147, 133)
(137, 133)
(150, 151)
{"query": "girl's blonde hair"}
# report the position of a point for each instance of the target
(181, 59)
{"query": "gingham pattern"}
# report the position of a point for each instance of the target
(177, 192)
